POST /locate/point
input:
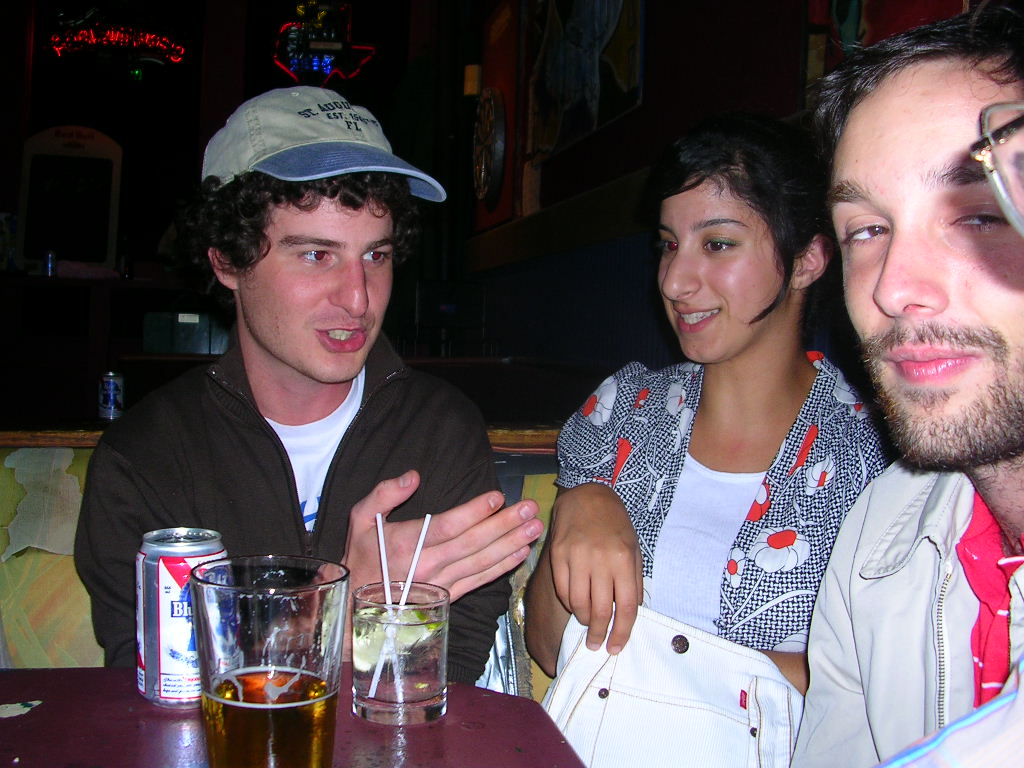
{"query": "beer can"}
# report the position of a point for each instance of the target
(167, 664)
(111, 395)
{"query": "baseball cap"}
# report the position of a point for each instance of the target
(304, 133)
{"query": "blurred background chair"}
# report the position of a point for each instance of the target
(44, 607)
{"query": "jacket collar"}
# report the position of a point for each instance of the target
(381, 364)
(928, 506)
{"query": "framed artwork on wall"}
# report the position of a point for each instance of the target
(584, 70)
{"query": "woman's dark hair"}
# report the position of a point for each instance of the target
(772, 167)
(233, 217)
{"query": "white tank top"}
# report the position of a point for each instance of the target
(695, 542)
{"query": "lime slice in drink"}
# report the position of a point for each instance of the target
(367, 639)
(423, 616)
(416, 628)
(369, 636)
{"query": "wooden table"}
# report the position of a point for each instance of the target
(94, 718)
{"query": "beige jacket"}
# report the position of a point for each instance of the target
(889, 645)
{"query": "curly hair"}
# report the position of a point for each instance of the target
(233, 217)
(772, 167)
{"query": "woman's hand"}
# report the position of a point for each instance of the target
(596, 563)
(591, 563)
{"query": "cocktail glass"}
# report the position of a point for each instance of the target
(399, 653)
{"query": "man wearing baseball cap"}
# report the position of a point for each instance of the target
(310, 424)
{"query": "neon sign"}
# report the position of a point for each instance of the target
(102, 36)
(322, 44)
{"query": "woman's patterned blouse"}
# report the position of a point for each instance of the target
(632, 435)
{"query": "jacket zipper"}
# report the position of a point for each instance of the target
(307, 536)
(367, 396)
(941, 644)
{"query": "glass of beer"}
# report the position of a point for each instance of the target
(400, 653)
(269, 632)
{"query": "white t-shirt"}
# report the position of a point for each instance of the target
(695, 541)
(311, 448)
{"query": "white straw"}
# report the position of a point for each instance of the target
(383, 558)
(387, 646)
(387, 595)
(389, 640)
(415, 559)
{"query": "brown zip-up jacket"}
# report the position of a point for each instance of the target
(197, 453)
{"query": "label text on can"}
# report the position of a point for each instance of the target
(178, 662)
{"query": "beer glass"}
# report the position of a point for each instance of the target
(400, 653)
(269, 632)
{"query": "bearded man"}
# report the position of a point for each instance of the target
(921, 609)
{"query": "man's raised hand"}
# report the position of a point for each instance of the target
(466, 546)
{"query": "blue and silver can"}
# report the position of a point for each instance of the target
(167, 664)
(111, 404)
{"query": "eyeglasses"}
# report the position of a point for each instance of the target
(1001, 150)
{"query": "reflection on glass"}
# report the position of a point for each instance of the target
(1001, 150)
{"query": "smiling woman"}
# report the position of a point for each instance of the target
(710, 491)
(720, 275)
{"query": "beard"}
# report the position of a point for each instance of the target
(987, 430)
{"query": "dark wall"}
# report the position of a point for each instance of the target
(147, 106)
(596, 307)
(15, 64)
(700, 57)
(163, 113)
(576, 282)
